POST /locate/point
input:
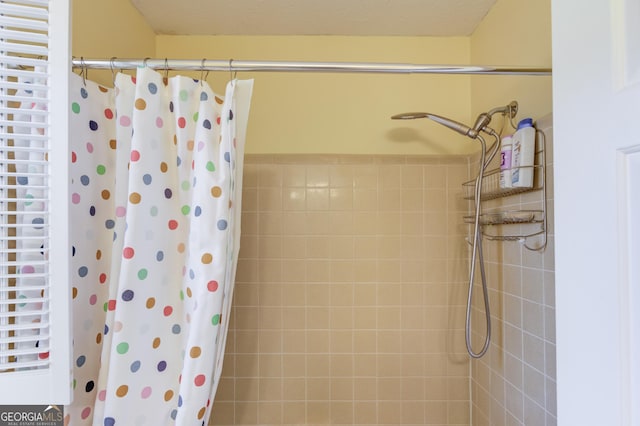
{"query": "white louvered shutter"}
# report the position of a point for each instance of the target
(35, 337)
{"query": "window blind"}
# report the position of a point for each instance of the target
(34, 282)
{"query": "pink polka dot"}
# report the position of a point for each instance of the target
(28, 269)
(199, 380)
(125, 121)
(200, 146)
(128, 252)
(75, 198)
(89, 147)
(102, 395)
(182, 122)
(85, 413)
(121, 211)
(117, 326)
(93, 299)
(146, 392)
(135, 155)
(159, 122)
(168, 310)
(212, 285)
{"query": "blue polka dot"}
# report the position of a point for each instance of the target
(127, 295)
(84, 93)
(23, 180)
(84, 179)
(106, 329)
(81, 360)
(227, 157)
(153, 89)
(171, 106)
(206, 124)
(230, 115)
(83, 271)
(222, 224)
(135, 366)
(37, 221)
(162, 365)
(176, 329)
(109, 421)
(179, 400)
(160, 256)
(109, 224)
(147, 179)
(92, 210)
(178, 161)
(192, 274)
(204, 96)
(174, 414)
(93, 125)
(168, 193)
(198, 211)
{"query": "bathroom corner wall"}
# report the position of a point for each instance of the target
(350, 294)
(515, 384)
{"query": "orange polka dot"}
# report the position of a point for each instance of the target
(175, 139)
(195, 352)
(113, 144)
(164, 167)
(140, 104)
(201, 413)
(181, 248)
(190, 145)
(207, 258)
(135, 198)
(156, 343)
(216, 191)
(151, 302)
(189, 292)
(98, 338)
(103, 89)
(98, 254)
(105, 194)
(74, 292)
(218, 100)
(122, 391)
(168, 395)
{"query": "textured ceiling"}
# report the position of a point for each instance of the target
(314, 17)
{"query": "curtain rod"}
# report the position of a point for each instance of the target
(233, 65)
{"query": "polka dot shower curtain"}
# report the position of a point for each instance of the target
(156, 169)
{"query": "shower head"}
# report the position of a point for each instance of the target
(452, 124)
(481, 124)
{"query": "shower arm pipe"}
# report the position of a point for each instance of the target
(233, 65)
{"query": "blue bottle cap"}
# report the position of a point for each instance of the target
(525, 122)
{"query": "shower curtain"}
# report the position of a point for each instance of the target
(156, 179)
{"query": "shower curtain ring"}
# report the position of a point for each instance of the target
(83, 71)
(144, 62)
(166, 68)
(113, 72)
(232, 75)
(203, 76)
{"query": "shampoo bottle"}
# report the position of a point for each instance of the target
(523, 153)
(505, 161)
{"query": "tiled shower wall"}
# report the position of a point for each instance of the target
(350, 294)
(515, 383)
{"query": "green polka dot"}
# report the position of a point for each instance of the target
(154, 211)
(75, 107)
(216, 319)
(195, 117)
(181, 295)
(29, 196)
(185, 185)
(122, 348)
(101, 169)
(185, 210)
(75, 382)
(184, 95)
(105, 306)
(211, 167)
(142, 274)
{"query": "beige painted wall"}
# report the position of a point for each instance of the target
(340, 113)
(104, 29)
